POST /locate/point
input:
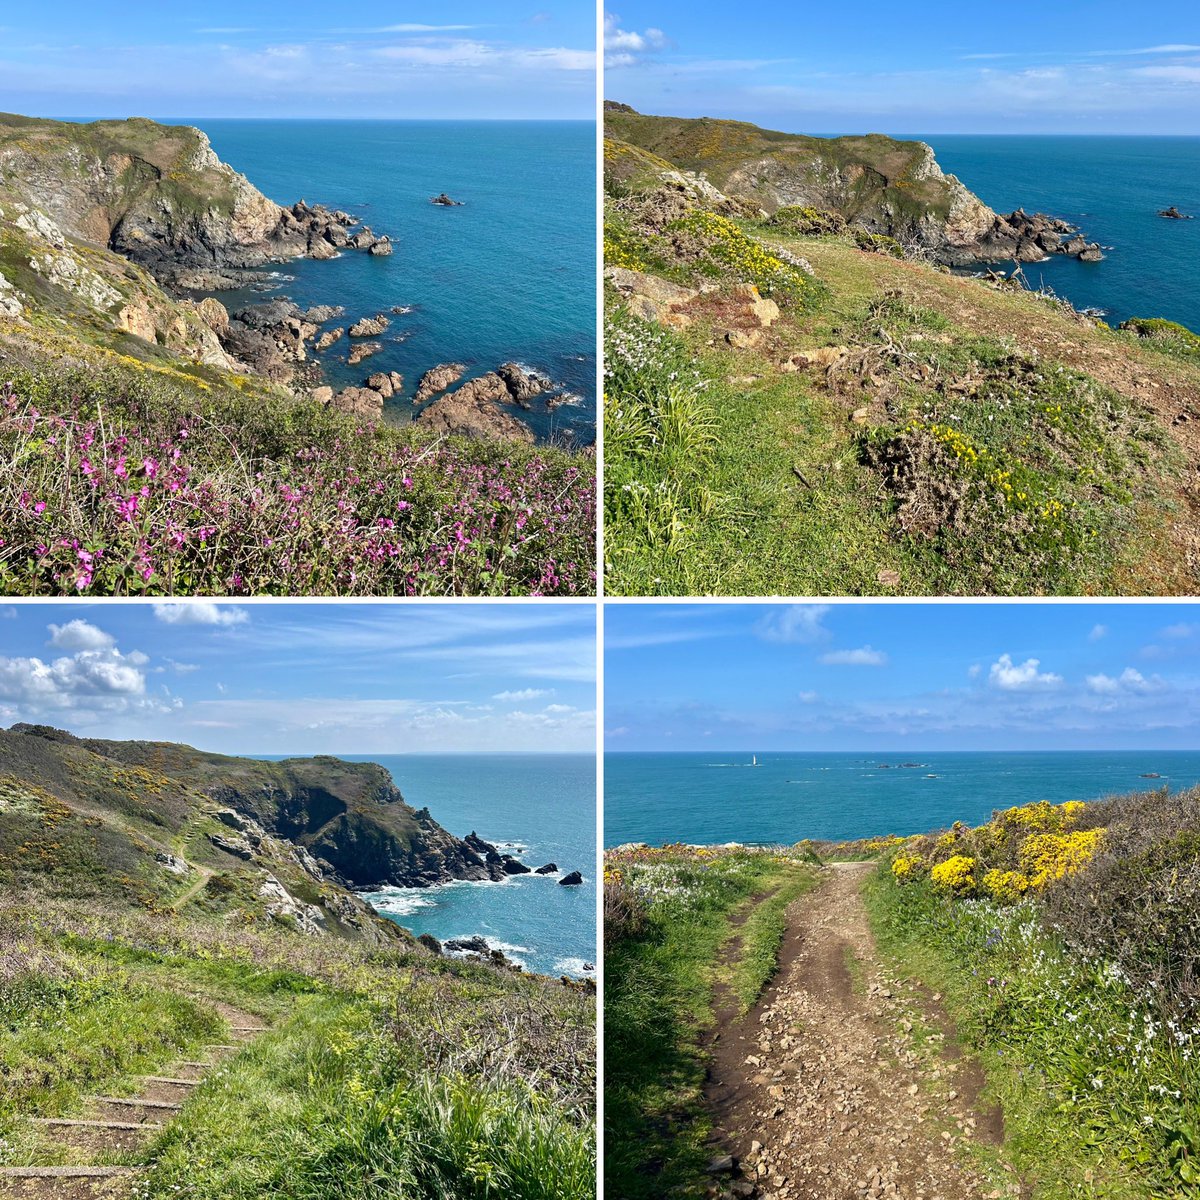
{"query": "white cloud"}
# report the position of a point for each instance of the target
(414, 28)
(524, 694)
(1128, 681)
(974, 670)
(1010, 677)
(8, 613)
(807, 697)
(796, 623)
(1172, 74)
(623, 47)
(558, 708)
(79, 635)
(1181, 631)
(1098, 632)
(200, 612)
(864, 656)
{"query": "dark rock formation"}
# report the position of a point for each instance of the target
(548, 869)
(474, 411)
(523, 384)
(1174, 214)
(445, 201)
(511, 866)
(574, 879)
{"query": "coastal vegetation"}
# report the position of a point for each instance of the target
(196, 1004)
(866, 420)
(153, 443)
(1029, 988)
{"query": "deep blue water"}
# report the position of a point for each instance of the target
(1112, 188)
(510, 275)
(714, 796)
(544, 807)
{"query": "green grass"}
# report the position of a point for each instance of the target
(974, 467)
(661, 966)
(762, 936)
(387, 1071)
(1094, 1105)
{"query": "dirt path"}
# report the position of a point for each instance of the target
(90, 1153)
(819, 1092)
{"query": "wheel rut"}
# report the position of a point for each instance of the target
(821, 1091)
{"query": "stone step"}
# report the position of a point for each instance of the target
(120, 1108)
(168, 1079)
(79, 1124)
(89, 1138)
(63, 1172)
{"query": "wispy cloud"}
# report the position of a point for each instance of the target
(863, 656)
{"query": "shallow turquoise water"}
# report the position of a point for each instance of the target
(1113, 189)
(510, 275)
(715, 796)
(544, 808)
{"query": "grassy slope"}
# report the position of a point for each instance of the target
(376, 1078)
(659, 983)
(835, 532)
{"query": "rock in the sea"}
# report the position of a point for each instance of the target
(359, 402)
(1174, 214)
(474, 411)
(445, 201)
(370, 326)
(512, 866)
(574, 879)
(523, 383)
(548, 869)
(468, 945)
(364, 239)
(381, 382)
(320, 313)
(321, 250)
(329, 337)
(381, 248)
(1091, 254)
(437, 379)
(363, 350)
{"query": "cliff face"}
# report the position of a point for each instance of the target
(876, 183)
(301, 834)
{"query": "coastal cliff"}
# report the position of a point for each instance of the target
(289, 840)
(879, 184)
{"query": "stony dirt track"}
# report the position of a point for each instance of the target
(822, 1091)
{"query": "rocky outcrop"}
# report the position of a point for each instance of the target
(1173, 214)
(475, 411)
(442, 199)
(363, 350)
(573, 879)
(549, 869)
(328, 338)
(381, 248)
(370, 326)
(437, 379)
(523, 383)
(1028, 238)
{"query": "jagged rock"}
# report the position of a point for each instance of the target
(549, 869)
(764, 310)
(823, 356)
(321, 250)
(176, 866)
(282, 904)
(370, 326)
(1173, 214)
(523, 383)
(213, 313)
(430, 943)
(381, 382)
(437, 379)
(468, 945)
(1091, 254)
(474, 411)
(239, 847)
(510, 866)
(364, 239)
(381, 248)
(230, 819)
(328, 338)
(363, 350)
(359, 402)
(445, 201)
(573, 879)
(321, 313)
(10, 304)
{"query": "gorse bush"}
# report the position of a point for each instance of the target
(113, 482)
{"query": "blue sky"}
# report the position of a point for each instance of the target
(121, 58)
(306, 678)
(932, 67)
(875, 677)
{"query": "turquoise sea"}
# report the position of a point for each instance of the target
(511, 275)
(714, 796)
(1113, 189)
(540, 807)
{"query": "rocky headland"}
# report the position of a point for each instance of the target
(128, 227)
(878, 184)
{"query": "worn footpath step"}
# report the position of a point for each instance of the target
(93, 1137)
(134, 1109)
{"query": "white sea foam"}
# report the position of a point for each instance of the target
(578, 967)
(400, 902)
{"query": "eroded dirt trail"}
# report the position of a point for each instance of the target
(822, 1091)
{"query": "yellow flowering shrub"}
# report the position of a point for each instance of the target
(731, 248)
(906, 867)
(1045, 857)
(1005, 886)
(955, 875)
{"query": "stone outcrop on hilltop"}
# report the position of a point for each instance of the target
(879, 184)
